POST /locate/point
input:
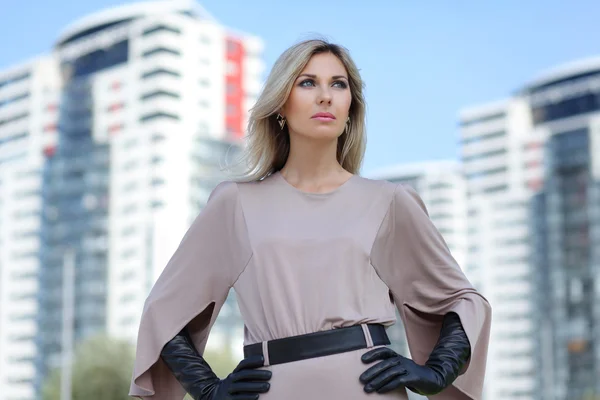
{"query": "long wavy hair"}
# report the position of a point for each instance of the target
(267, 146)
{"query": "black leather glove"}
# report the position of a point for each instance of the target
(448, 358)
(197, 378)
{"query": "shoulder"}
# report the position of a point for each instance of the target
(398, 193)
(407, 197)
(403, 198)
(225, 190)
(376, 186)
(224, 196)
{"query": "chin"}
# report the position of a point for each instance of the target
(325, 137)
(325, 133)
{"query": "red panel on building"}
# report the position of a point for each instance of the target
(535, 184)
(50, 128)
(49, 151)
(234, 88)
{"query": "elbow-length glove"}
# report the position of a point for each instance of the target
(449, 356)
(197, 378)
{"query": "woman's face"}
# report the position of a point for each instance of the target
(319, 102)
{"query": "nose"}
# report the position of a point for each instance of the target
(324, 96)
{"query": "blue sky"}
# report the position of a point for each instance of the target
(421, 61)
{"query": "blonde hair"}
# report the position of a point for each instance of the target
(267, 145)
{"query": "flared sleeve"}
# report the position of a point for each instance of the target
(191, 290)
(425, 281)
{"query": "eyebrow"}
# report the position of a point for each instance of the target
(333, 77)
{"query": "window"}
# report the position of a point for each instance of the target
(130, 230)
(159, 50)
(486, 118)
(13, 138)
(157, 137)
(487, 136)
(157, 115)
(161, 28)
(13, 99)
(160, 71)
(98, 60)
(495, 189)
(159, 93)
(15, 79)
(156, 181)
(484, 155)
(488, 172)
(129, 253)
(13, 119)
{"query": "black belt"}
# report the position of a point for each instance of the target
(318, 344)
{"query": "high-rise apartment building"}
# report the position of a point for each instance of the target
(501, 161)
(28, 108)
(531, 164)
(565, 219)
(144, 105)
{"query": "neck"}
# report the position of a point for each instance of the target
(311, 160)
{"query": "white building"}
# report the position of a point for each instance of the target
(566, 241)
(502, 164)
(28, 111)
(442, 188)
(152, 97)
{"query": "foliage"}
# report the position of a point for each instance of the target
(101, 371)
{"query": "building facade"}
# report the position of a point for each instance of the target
(502, 166)
(28, 99)
(148, 103)
(531, 164)
(565, 218)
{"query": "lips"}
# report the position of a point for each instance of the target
(324, 116)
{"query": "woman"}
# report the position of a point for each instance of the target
(319, 258)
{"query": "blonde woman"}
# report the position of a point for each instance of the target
(320, 258)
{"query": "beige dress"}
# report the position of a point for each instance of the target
(303, 262)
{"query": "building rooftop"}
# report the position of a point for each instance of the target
(120, 14)
(415, 168)
(565, 71)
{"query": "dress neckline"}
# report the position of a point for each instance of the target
(346, 183)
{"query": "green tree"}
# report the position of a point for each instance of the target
(101, 371)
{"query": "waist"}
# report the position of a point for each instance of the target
(319, 344)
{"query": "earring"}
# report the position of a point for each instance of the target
(281, 120)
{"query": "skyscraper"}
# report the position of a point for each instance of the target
(502, 167)
(28, 111)
(149, 101)
(565, 219)
(531, 164)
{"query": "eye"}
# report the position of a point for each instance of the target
(304, 82)
(341, 84)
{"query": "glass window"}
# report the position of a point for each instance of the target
(160, 71)
(157, 115)
(98, 60)
(487, 118)
(159, 50)
(161, 28)
(159, 93)
(13, 138)
(487, 136)
(15, 79)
